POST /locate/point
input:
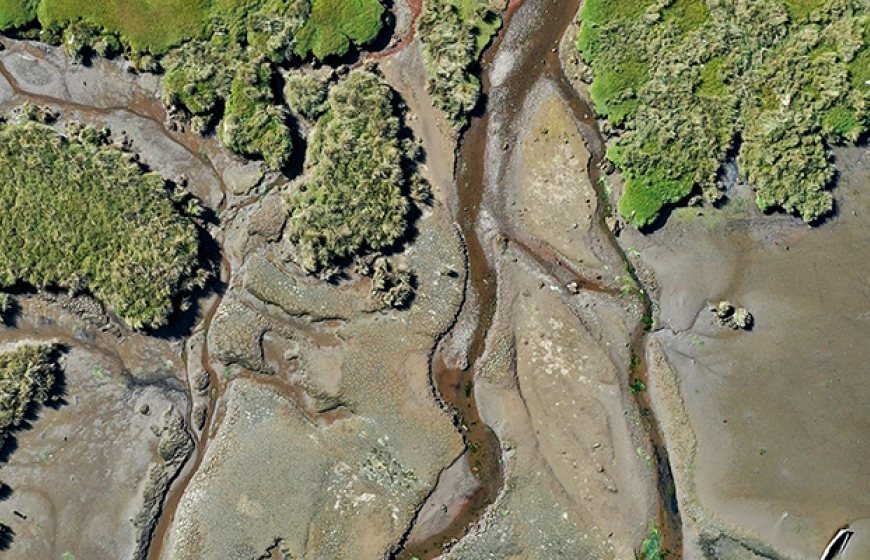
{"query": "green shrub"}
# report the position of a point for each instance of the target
(454, 34)
(86, 217)
(27, 375)
(686, 79)
(333, 25)
(352, 198)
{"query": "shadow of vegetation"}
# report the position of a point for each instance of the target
(7, 536)
(181, 322)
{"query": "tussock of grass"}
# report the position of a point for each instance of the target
(27, 375)
(333, 25)
(668, 74)
(454, 34)
(253, 125)
(352, 198)
(306, 95)
(82, 215)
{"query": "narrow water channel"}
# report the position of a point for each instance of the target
(534, 52)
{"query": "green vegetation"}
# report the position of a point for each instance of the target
(306, 95)
(333, 25)
(156, 26)
(253, 125)
(687, 80)
(27, 374)
(83, 215)
(454, 34)
(135, 22)
(393, 285)
(219, 56)
(234, 69)
(352, 198)
(651, 549)
(17, 13)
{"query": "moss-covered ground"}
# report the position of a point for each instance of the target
(82, 215)
(333, 25)
(688, 80)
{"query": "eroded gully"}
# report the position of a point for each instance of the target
(541, 30)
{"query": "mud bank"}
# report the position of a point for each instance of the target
(768, 428)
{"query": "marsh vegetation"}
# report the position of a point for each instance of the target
(353, 197)
(220, 57)
(688, 81)
(83, 215)
(454, 34)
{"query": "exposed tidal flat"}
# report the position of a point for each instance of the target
(773, 442)
(502, 370)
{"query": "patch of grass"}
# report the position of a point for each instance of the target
(85, 216)
(802, 9)
(600, 12)
(646, 195)
(352, 199)
(688, 15)
(613, 90)
(233, 69)
(27, 374)
(145, 25)
(712, 82)
(17, 13)
(253, 125)
(454, 34)
(306, 95)
(332, 25)
(841, 121)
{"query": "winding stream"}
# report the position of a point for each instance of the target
(536, 59)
